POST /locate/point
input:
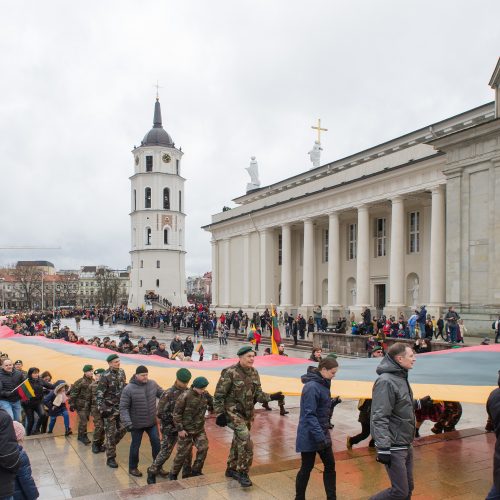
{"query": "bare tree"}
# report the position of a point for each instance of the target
(28, 283)
(68, 289)
(108, 287)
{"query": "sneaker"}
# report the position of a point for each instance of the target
(348, 443)
(244, 480)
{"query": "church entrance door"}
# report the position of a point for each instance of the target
(379, 298)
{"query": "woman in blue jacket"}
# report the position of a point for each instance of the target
(313, 433)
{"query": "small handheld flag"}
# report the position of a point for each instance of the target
(25, 391)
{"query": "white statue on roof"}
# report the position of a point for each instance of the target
(253, 171)
(315, 154)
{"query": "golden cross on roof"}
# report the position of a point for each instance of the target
(157, 90)
(319, 129)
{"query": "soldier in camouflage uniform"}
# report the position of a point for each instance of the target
(108, 394)
(235, 395)
(449, 418)
(91, 405)
(77, 401)
(189, 421)
(168, 431)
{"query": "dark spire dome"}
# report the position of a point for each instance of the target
(157, 136)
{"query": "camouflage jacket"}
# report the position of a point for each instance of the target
(189, 411)
(237, 391)
(79, 392)
(166, 406)
(109, 390)
(90, 402)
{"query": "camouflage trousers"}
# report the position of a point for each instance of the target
(168, 441)
(449, 418)
(241, 452)
(98, 428)
(113, 433)
(83, 418)
(184, 451)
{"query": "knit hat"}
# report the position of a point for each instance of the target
(87, 368)
(184, 375)
(243, 350)
(99, 371)
(141, 369)
(200, 382)
(111, 357)
(19, 430)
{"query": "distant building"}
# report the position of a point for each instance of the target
(43, 265)
(199, 286)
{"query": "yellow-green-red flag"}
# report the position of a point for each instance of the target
(275, 332)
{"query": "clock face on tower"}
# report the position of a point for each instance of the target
(166, 158)
(137, 160)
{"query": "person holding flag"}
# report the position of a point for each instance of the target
(10, 381)
(275, 332)
(200, 350)
(254, 336)
(32, 402)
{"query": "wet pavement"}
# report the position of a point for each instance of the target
(454, 465)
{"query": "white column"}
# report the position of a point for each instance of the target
(363, 258)
(265, 267)
(246, 270)
(438, 250)
(215, 271)
(226, 292)
(308, 270)
(286, 266)
(333, 260)
(398, 239)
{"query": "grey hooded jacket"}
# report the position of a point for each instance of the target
(393, 407)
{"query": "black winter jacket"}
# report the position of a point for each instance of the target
(138, 403)
(493, 408)
(393, 407)
(8, 382)
(9, 455)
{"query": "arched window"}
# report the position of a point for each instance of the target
(165, 236)
(147, 198)
(166, 199)
(147, 236)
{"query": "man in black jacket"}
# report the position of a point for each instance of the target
(10, 400)
(393, 420)
(9, 455)
(493, 409)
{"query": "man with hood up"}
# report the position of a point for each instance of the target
(393, 420)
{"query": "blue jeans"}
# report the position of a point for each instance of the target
(318, 324)
(65, 418)
(494, 494)
(421, 327)
(136, 434)
(412, 331)
(453, 332)
(13, 409)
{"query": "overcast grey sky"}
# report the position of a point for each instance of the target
(239, 78)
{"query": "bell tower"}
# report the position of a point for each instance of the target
(157, 219)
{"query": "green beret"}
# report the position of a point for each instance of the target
(200, 382)
(88, 368)
(378, 348)
(99, 371)
(332, 355)
(111, 357)
(243, 350)
(184, 375)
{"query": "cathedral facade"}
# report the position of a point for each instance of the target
(157, 220)
(413, 221)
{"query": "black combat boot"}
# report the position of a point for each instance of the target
(151, 475)
(186, 471)
(102, 448)
(266, 406)
(84, 439)
(283, 411)
(196, 473)
(163, 473)
(95, 448)
(230, 473)
(244, 480)
(172, 477)
(111, 462)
